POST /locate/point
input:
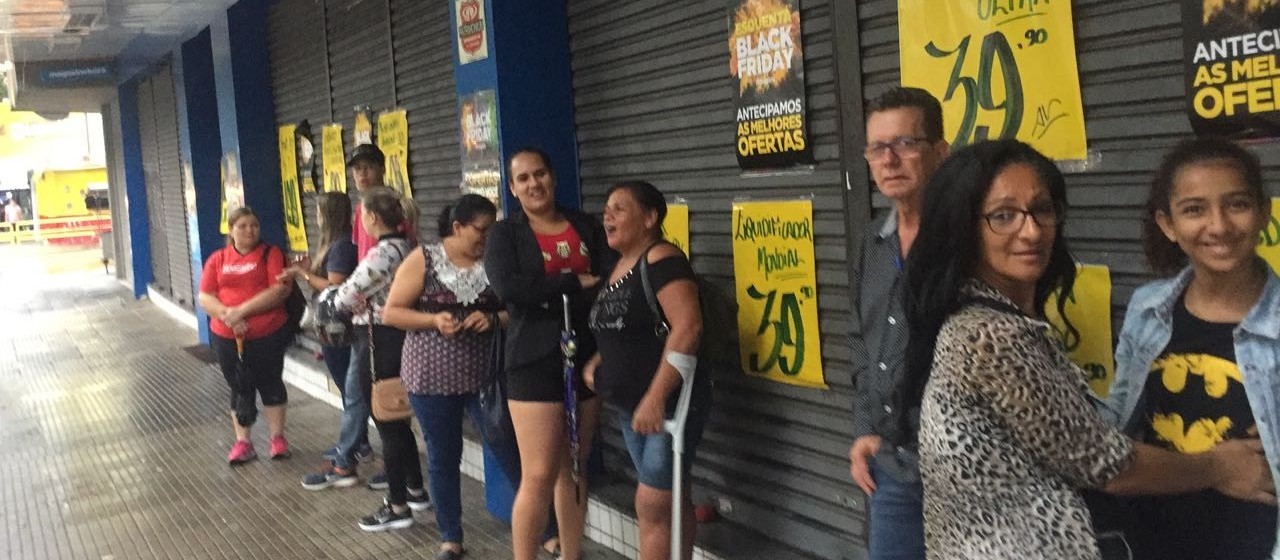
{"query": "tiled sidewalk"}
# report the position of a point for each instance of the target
(116, 441)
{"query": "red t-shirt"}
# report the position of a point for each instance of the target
(234, 279)
(564, 252)
(364, 241)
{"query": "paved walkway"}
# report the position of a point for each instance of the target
(116, 439)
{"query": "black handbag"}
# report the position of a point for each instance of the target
(495, 417)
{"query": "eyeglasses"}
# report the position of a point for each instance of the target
(906, 146)
(1004, 221)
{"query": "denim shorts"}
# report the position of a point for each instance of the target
(652, 455)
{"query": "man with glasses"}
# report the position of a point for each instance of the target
(904, 148)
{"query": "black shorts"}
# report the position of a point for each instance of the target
(543, 380)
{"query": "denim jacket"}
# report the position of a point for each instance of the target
(1148, 325)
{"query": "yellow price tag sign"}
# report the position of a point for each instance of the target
(675, 228)
(1088, 342)
(333, 158)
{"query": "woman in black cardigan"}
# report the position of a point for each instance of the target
(539, 254)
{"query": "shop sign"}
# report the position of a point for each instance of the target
(333, 159)
(393, 140)
(481, 162)
(1232, 75)
(777, 291)
(766, 62)
(1088, 341)
(292, 198)
(1002, 69)
(473, 37)
(71, 76)
(675, 227)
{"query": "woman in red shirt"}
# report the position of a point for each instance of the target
(245, 304)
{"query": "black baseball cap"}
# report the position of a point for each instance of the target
(369, 152)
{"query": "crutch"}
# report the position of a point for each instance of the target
(675, 427)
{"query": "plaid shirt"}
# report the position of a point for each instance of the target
(880, 342)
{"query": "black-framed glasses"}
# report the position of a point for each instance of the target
(1004, 221)
(901, 147)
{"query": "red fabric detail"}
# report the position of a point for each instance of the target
(234, 279)
(564, 252)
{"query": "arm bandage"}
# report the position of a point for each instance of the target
(684, 363)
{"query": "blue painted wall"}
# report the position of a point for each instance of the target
(200, 147)
(135, 187)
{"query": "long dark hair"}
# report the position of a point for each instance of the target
(647, 196)
(335, 210)
(946, 254)
(1164, 256)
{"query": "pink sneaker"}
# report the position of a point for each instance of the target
(242, 452)
(279, 448)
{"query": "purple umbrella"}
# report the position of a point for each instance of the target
(569, 347)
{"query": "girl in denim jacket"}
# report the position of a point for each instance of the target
(1199, 356)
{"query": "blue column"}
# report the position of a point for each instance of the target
(246, 111)
(528, 67)
(200, 145)
(135, 187)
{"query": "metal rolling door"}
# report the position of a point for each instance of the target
(169, 167)
(155, 194)
(647, 110)
(360, 60)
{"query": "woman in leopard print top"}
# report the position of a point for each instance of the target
(1008, 435)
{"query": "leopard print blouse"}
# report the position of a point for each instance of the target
(1008, 435)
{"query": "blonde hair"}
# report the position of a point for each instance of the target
(334, 212)
(235, 216)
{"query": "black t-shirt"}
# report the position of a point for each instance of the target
(630, 349)
(1194, 398)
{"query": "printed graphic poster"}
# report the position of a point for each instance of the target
(1230, 52)
(1001, 70)
(777, 291)
(232, 187)
(333, 159)
(393, 140)
(1089, 309)
(294, 228)
(363, 130)
(1269, 244)
(481, 160)
(675, 227)
(473, 36)
(306, 154)
(766, 63)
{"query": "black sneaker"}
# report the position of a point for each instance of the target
(330, 477)
(378, 481)
(386, 519)
(421, 502)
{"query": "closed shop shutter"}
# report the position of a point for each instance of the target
(155, 194)
(360, 71)
(425, 89)
(170, 174)
(654, 101)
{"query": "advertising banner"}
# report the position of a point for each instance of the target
(232, 187)
(766, 62)
(675, 228)
(777, 291)
(294, 228)
(1001, 70)
(1231, 68)
(1269, 244)
(363, 129)
(1088, 342)
(333, 158)
(393, 140)
(481, 160)
(473, 35)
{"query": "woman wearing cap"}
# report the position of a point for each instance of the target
(534, 258)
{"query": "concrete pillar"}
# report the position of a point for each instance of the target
(135, 187)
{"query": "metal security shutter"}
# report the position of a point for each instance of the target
(170, 173)
(360, 61)
(300, 77)
(425, 89)
(645, 110)
(155, 194)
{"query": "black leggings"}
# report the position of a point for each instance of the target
(260, 373)
(399, 446)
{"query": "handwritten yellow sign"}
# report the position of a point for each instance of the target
(1001, 70)
(675, 228)
(1269, 243)
(333, 159)
(1089, 309)
(393, 140)
(777, 291)
(294, 227)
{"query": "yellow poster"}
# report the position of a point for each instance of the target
(1089, 309)
(675, 228)
(393, 140)
(777, 291)
(294, 228)
(1001, 70)
(1269, 244)
(332, 158)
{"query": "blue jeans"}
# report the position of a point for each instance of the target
(354, 430)
(897, 519)
(441, 419)
(337, 359)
